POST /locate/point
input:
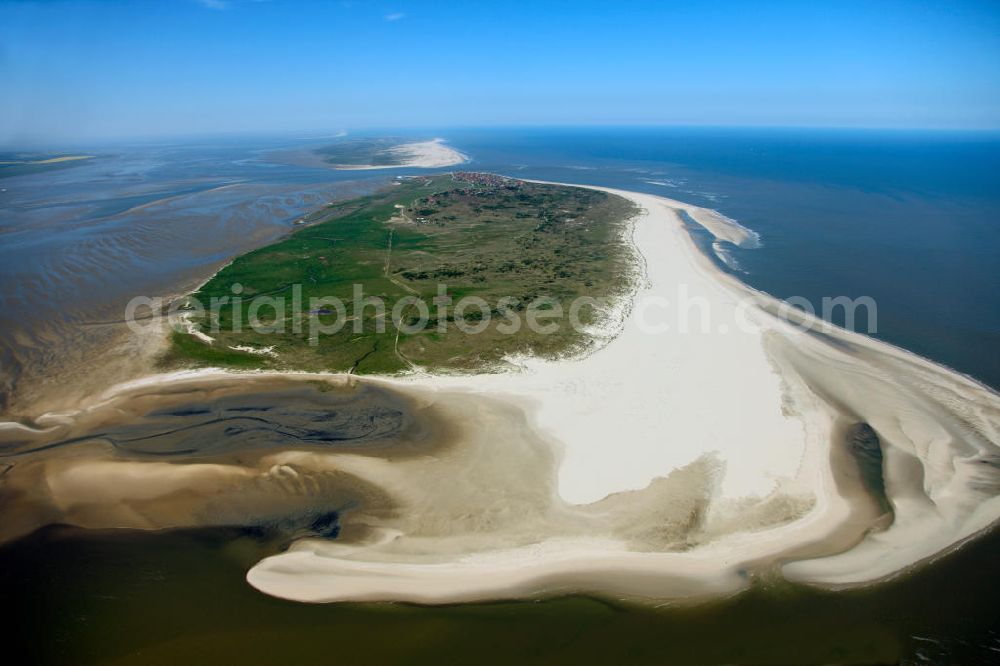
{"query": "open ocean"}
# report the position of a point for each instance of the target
(909, 219)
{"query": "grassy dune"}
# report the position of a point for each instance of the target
(493, 240)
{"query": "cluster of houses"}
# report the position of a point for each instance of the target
(425, 206)
(486, 179)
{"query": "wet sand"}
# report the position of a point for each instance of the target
(782, 484)
(209, 451)
(76, 245)
(620, 476)
(431, 154)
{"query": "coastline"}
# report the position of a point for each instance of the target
(837, 542)
(796, 389)
(433, 154)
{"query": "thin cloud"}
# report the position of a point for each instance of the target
(226, 4)
(395, 16)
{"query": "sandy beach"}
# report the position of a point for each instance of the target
(431, 154)
(763, 405)
(710, 441)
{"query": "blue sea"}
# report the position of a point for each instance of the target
(911, 219)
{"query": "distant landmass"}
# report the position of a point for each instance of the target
(389, 152)
(20, 164)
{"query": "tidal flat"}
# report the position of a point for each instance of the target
(873, 367)
(528, 499)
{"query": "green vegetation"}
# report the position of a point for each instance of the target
(481, 236)
(190, 347)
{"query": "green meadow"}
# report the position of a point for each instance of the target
(523, 248)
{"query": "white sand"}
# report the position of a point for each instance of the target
(425, 154)
(650, 403)
(663, 466)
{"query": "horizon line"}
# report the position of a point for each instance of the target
(364, 131)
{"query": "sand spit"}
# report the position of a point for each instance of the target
(431, 154)
(677, 462)
(747, 421)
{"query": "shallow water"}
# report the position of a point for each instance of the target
(77, 244)
(129, 597)
(912, 222)
(223, 418)
(911, 219)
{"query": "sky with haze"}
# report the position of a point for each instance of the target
(88, 71)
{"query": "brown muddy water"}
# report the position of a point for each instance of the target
(129, 597)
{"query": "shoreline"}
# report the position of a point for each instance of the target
(831, 534)
(433, 154)
(603, 466)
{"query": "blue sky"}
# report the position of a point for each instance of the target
(90, 70)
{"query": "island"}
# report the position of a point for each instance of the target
(388, 153)
(689, 440)
(436, 241)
